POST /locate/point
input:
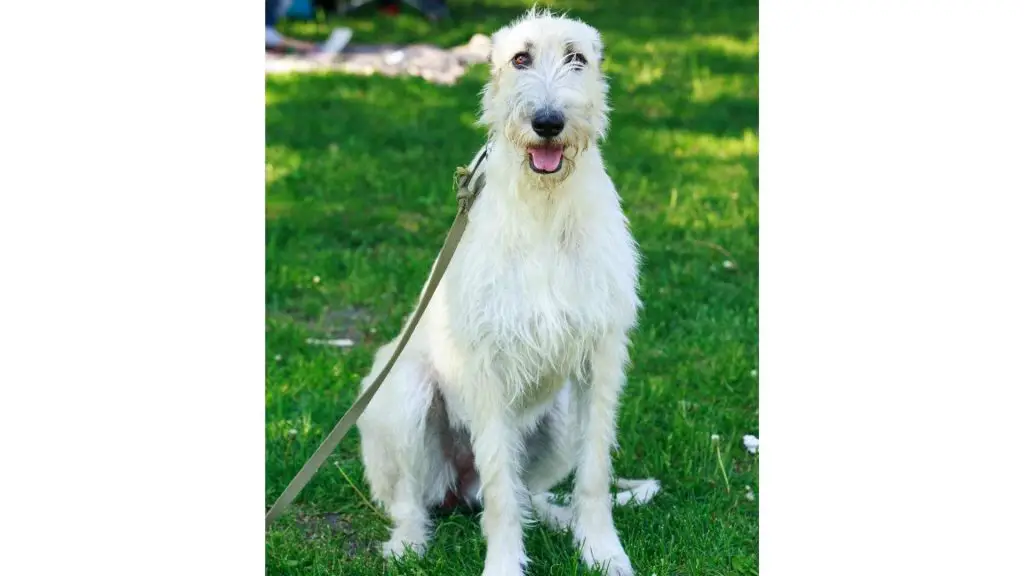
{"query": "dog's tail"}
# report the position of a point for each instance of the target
(559, 517)
(636, 492)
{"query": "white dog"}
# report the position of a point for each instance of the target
(512, 379)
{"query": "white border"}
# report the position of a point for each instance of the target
(891, 290)
(132, 267)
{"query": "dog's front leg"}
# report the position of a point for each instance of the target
(496, 451)
(596, 407)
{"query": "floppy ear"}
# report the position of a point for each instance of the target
(487, 110)
(486, 116)
(496, 40)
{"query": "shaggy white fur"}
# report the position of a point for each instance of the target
(512, 379)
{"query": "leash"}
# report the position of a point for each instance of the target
(469, 183)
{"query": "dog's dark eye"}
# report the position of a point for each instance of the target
(576, 59)
(522, 60)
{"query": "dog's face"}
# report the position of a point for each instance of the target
(547, 95)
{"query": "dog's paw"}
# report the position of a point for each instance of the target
(616, 565)
(508, 570)
(397, 548)
(510, 564)
(609, 558)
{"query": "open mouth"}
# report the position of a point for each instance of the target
(546, 159)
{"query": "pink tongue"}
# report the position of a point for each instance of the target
(546, 159)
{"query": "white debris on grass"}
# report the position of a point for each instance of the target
(337, 342)
(751, 442)
(728, 264)
(750, 493)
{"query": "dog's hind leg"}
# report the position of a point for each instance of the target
(411, 520)
(395, 455)
(422, 482)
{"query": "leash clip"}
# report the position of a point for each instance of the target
(470, 181)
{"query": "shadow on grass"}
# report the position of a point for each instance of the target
(345, 150)
(348, 144)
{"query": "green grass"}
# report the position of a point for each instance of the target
(358, 195)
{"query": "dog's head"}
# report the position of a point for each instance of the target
(547, 95)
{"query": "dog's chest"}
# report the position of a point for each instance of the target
(540, 307)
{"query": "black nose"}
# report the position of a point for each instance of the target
(548, 124)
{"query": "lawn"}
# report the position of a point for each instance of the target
(359, 197)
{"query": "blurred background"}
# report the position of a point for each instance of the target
(369, 109)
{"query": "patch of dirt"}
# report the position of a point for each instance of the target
(329, 524)
(432, 63)
(344, 323)
(315, 524)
